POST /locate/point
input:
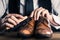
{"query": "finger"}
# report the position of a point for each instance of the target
(20, 20)
(44, 13)
(35, 13)
(15, 19)
(7, 28)
(40, 10)
(12, 21)
(25, 17)
(32, 14)
(17, 15)
(9, 25)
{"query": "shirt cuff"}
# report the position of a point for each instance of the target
(56, 19)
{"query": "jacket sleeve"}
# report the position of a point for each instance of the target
(3, 7)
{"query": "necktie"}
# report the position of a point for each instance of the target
(28, 7)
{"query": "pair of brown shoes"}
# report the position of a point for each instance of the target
(42, 28)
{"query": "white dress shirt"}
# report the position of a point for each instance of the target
(56, 7)
(3, 7)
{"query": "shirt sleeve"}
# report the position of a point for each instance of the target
(56, 19)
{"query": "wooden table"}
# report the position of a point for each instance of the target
(12, 36)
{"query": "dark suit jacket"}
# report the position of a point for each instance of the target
(13, 6)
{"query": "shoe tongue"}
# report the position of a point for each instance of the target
(42, 20)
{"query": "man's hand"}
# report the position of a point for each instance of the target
(45, 13)
(40, 12)
(11, 20)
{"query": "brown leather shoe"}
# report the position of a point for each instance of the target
(43, 28)
(27, 30)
